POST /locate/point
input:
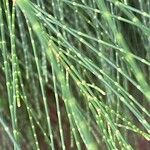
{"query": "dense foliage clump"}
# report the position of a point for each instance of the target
(74, 74)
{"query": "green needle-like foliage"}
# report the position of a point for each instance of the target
(74, 74)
